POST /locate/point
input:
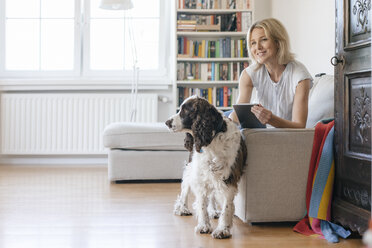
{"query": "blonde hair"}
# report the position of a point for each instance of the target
(274, 30)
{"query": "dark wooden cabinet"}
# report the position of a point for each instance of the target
(351, 205)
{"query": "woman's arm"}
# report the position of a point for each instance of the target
(245, 92)
(299, 111)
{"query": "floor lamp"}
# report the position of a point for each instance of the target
(125, 5)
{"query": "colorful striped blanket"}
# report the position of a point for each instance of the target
(320, 186)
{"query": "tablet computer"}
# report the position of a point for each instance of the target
(246, 118)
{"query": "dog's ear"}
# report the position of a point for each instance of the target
(202, 129)
(206, 123)
(188, 142)
(217, 119)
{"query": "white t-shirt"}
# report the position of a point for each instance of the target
(278, 97)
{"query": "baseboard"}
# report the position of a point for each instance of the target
(96, 160)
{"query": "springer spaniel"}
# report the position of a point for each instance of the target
(217, 160)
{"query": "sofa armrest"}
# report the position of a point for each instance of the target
(273, 187)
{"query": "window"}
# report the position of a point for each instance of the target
(39, 36)
(60, 38)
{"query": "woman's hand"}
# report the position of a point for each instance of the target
(262, 114)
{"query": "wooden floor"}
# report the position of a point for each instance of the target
(77, 207)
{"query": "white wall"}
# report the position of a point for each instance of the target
(311, 28)
(165, 109)
(262, 9)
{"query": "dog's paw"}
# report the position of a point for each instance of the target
(214, 214)
(221, 233)
(206, 228)
(181, 209)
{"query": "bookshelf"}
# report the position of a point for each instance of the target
(211, 49)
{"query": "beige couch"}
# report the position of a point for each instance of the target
(274, 185)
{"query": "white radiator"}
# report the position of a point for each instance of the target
(66, 123)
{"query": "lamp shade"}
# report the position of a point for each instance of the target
(116, 4)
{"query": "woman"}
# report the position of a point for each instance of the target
(282, 83)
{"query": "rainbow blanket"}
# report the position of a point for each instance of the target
(319, 188)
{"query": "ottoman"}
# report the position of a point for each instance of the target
(144, 152)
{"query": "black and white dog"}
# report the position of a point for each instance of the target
(217, 163)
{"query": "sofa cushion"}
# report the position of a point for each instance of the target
(321, 100)
(146, 165)
(142, 136)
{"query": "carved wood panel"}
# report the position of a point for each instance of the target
(360, 115)
(359, 20)
(357, 194)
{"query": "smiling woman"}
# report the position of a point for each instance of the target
(282, 83)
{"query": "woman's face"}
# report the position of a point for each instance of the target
(263, 48)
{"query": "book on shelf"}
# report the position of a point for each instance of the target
(198, 19)
(199, 5)
(197, 72)
(217, 46)
(203, 72)
(231, 22)
(180, 71)
(239, 21)
(205, 22)
(228, 22)
(199, 54)
(228, 47)
(212, 49)
(209, 72)
(214, 4)
(186, 28)
(215, 71)
(219, 96)
(190, 4)
(185, 41)
(210, 95)
(221, 48)
(239, 4)
(224, 72)
(235, 49)
(235, 72)
(243, 4)
(243, 21)
(202, 49)
(244, 49)
(186, 22)
(210, 27)
(232, 4)
(246, 21)
(188, 71)
(225, 96)
(206, 51)
(240, 50)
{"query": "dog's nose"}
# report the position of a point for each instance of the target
(169, 123)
